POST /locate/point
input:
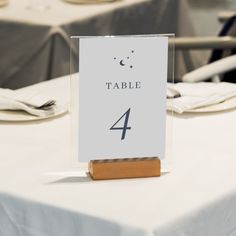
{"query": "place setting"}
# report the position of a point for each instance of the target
(201, 97)
(28, 105)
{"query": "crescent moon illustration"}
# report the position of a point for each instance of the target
(122, 63)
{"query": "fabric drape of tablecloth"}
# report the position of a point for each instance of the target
(36, 47)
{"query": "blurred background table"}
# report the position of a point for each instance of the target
(35, 45)
(197, 197)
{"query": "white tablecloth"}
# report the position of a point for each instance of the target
(34, 45)
(198, 197)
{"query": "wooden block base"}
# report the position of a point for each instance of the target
(125, 168)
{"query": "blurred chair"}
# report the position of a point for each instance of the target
(212, 70)
(222, 64)
(223, 16)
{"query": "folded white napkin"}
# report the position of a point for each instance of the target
(189, 96)
(26, 101)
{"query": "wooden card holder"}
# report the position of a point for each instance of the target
(125, 168)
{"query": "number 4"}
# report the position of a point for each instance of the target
(125, 127)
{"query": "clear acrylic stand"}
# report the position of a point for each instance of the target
(74, 71)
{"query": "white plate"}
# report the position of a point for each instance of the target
(226, 105)
(24, 116)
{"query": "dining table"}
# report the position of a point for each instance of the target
(45, 191)
(35, 43)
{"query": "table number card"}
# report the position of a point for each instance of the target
(122, 97)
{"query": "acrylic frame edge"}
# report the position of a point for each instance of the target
(166, 163)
